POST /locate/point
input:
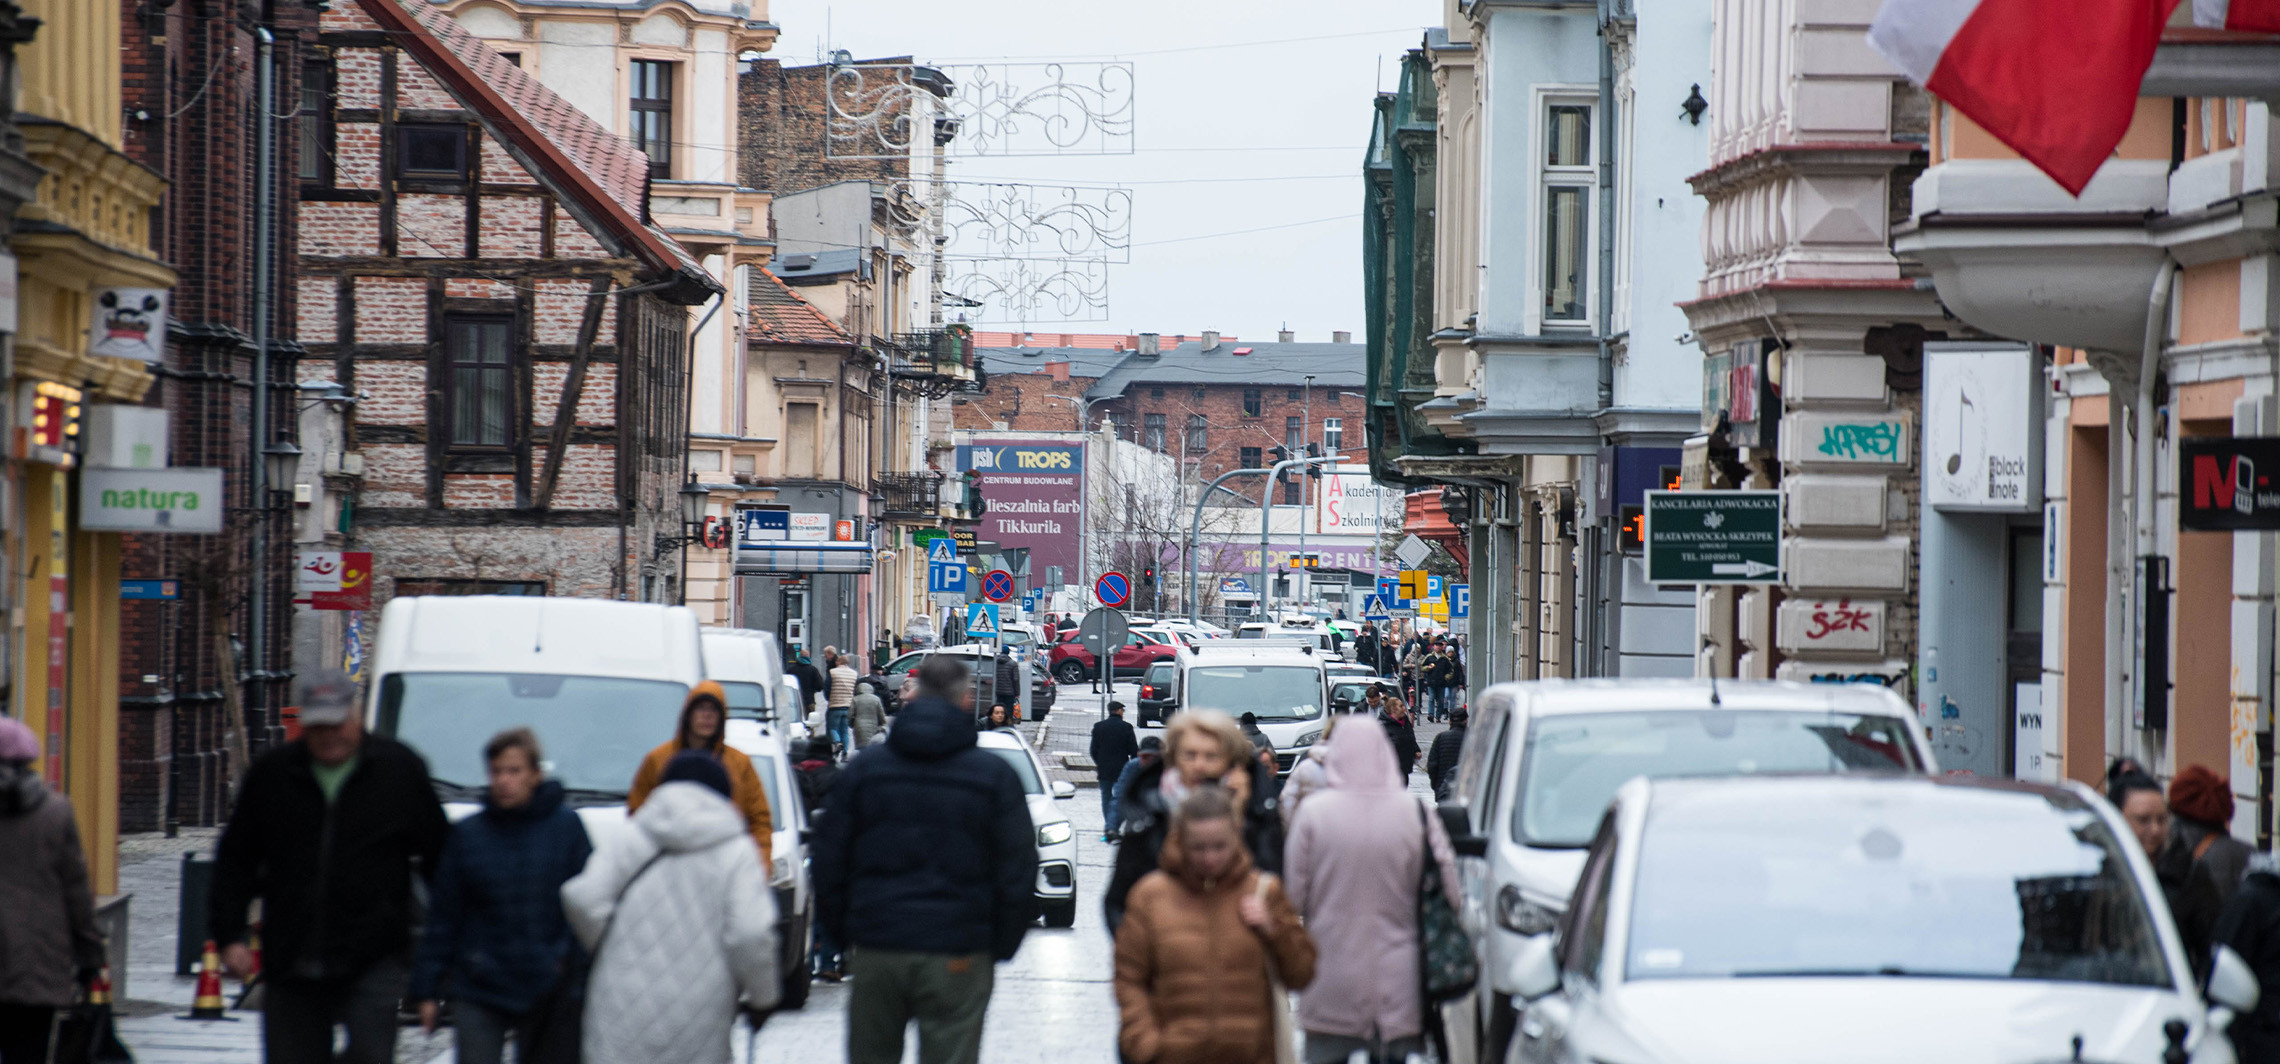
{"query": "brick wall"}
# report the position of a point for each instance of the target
(780, 118)
(1228, 428)
(1023, 402)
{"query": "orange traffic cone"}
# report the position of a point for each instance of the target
(99, 989)
(208, 1004)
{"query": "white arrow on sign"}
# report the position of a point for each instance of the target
(1748, 569)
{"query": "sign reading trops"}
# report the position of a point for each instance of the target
(151, 500)
(2225, 483)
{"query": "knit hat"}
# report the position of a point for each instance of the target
(17, 743)
(2200, 794)
(697, 768)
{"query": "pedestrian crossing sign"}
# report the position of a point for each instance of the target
(942, 551)
(982, 620)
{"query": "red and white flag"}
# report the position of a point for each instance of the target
(2057, 80)
(2255, 16)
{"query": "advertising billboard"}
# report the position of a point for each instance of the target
(1348, 502)
(1035, 496)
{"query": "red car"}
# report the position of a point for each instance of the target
(1072, 663)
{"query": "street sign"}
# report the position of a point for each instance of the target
(1113, 588)
(997, 585)
(1432, 588)
(150, 589)
(982, 620)
(941, 551)
(946, 578)
(1389, 589)
(1102, 631)
(1713, 537)
(1413, 586)
(1460, 601)
(1373, 609)
(1413, 551)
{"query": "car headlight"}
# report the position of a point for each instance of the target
(1310, 738)
(1054, 833)
(1521, 916)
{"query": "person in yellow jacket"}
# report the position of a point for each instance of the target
(704, 723)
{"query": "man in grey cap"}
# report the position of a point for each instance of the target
(328, 831)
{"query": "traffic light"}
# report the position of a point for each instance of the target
(1314, 450)
(1148, 577)
(1280, 453)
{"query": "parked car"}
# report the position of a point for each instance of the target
(1072, 663)
(1325, 641)
(1041, 690)
(1158, 633)
(1056, 838)
(1283, 686)
(749, 666)
(1781, 919)
(1543, 758)
(1159, 693)
(1349, 670)
(1199, 629)
(788, 816)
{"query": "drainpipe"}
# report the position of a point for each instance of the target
(1606, 203)
(2142, 493)
(264, 184)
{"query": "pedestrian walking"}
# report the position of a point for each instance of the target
(811, 679)
(1113, 744)
(49, 944)
(2138, 796)
(1412, 665)
(1401, 729)
(867, 716)
(840, 702)
(327, 832)
(702, 729)
(2201, 856)
(818, 772)
(680, 921)
(1308, 775)
(1448, 748)
(925, 864)
(1207, 947)
(1201, 747)
(496, 941)
(1151, 751)
(998, 718)
(2250, 926)
(1006, 687)
(1430, 673)
(1354, 863)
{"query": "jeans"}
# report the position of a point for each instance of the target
(298, 1019)
(946, 994)
(826, 956)
(835, 724)
(1108, 809)
(24, 1033)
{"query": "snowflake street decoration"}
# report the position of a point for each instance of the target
(885, 110)
(1027, 290)
(1010, 221)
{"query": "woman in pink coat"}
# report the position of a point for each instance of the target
(1351, 867)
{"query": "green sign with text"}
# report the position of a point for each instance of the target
(1713, 537)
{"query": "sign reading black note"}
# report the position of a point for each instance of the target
(2228, 483)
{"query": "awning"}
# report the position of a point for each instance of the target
(791, 557)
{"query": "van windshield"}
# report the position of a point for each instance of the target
(1273, 692)
(594, 730)
(746, 701)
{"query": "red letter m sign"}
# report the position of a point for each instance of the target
(2213, 482)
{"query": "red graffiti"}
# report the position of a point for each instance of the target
(1844, 618)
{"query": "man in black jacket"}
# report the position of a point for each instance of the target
(925, 863)
(1441, 760)
(327, 832)
(2250, 925)
(1113, 744)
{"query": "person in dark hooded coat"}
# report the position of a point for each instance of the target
(1201, 746)
(2250, 926)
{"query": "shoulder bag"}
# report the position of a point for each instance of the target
(1445, 961)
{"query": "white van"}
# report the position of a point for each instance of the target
(601, 682)
(1323, 640)
(1285, 686)
(749, 666)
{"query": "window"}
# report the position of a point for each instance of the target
(800, 421)
(1155, 393)
(1197, 434)
(429, 151)
(479, 354)
(1120, 424)
(512, 57)
(1153, 426)
(1253, 458)
(653, 114)
(1294, 396)
(316, 124)
(1294, 435)
(1567, 180)
(1333, 434)
(1289, 490)
(1253, 402)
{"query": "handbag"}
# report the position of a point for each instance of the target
(1446, 965)
(85, 1033)
(1278, 995)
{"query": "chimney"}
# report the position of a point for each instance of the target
(1059, 371)
(1285, 336)
(1210, 339)
(1341, 337)
(1148, 344)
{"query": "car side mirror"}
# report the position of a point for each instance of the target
(1535, 970)
(2232, 983)
(1064, 789)
(1458, 825)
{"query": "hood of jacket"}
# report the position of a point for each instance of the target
(930, 729)
(21, 790)
(681, 817)
(705, 689)
(1361, 759)
(543, 802)
(1173, 860)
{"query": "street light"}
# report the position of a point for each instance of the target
(281, 461)
(694, 496)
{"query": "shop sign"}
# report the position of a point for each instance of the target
(1713, 537)
(1982, 432)
(764, 526)
(129, 323)
(333, 579)
(2225, 483)
(151, 500)
(810, 528)
(843, 531)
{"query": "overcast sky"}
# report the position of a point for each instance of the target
(1275, 93)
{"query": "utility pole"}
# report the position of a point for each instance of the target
(1305, 491)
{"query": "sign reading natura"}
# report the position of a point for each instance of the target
(2226, 483)
(1713, 537)
(151, 500)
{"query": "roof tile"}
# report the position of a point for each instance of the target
(780, 315)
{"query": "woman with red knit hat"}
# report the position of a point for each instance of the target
(2203, 855)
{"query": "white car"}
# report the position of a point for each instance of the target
(1542, 759)
(1284, 686)
(1056, 837)
(788, 816)
(1198, 629)
(1868, 919)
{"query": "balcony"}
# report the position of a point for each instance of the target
(909, 496)
(937, 361)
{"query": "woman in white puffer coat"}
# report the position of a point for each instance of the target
(681, 922)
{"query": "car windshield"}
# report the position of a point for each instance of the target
(1273, 692)
(1014, 637)
(1022, 767)
(1160, 672)
(746, 701)
(1924, 881)
(1575, 761)
(594, 729)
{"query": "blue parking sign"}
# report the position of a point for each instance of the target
(1460, 601)
(1433, 589)
(1389, 589)
(946, 578)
